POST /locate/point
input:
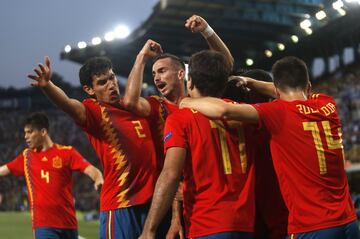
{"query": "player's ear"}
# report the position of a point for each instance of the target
(308, 89)
(89, 90)
(43, 131)
(181, 74)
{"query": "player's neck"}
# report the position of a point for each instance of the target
(47, 144)
(292, 95)
(175, 98)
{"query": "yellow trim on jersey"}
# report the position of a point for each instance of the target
(28, 184)
(118, 155)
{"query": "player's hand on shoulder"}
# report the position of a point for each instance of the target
(151, 49)
(240, 80)
(98, 184)
(42, 75)
(184, 102)
(196, 23)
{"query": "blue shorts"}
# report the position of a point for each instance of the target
(127, 223)
(55, 233)
(229, 235)
(347, 231)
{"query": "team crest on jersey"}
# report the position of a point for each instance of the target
(57, 162)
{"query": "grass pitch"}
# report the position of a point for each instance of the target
(15, 225)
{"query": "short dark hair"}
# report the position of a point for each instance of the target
(290, 72)
(175, 60)
(209, 72)
(38, 121)
(93, 67)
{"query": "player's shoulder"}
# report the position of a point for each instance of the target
(63, 147)
(321, 96)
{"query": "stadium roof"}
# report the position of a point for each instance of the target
(248, 27)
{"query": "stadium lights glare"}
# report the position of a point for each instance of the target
(295, 38)
(249, 62)
(121, 31)
(145, 85)
(353, 1)
(308, 31)
(110, 36)
(320, 15)
(281, 46)
(341, 11)
(338, 4)
(96, 41)
(82, 45)
(305, 24)
(268, 53)
(67, 48)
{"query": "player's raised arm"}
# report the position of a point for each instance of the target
(95, 175)
(196, 24)
(262, 87)
(216, 108)
(42, 79)
(4, 171)
(132, 98)
(165, 190)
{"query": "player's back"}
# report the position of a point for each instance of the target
(307, 150)
(218, 178)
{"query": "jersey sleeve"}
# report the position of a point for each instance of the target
(16, 166)
(93, 116)
(271, 115)
(77, 161)
(175, 131)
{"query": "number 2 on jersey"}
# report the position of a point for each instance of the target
(331, 142)
(139, 129)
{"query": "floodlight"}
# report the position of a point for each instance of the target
(320, 15)
(281, 46)
(96, 41)
(121, 31)
(67, 48)
(82, 45)
(338, 4)
(268, 53)
(249, 62)
(295, 38)
(109, 36)
(305, 24)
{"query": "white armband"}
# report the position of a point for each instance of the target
(208, 32)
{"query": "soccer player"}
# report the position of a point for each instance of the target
(47, 168)
(306, 149)
(121, 140)
(169, 74)
(218, 178)
(271, 212)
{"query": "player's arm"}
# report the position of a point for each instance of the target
(132, 99)
(262, 87)
(198, 24)
(216, 108)
(165, 190)
(4, 170)
(176, 229)
(42, 79)
(95, 175)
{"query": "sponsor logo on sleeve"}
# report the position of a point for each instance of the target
(168, 136)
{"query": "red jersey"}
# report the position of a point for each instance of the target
(160, 109)
(125, 148)
(307, 152)
(48, 176)
(271, 212)
(218, 176)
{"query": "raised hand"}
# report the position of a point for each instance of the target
(196, 23)
(240, 80)
(151, 49)
(43, 74)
